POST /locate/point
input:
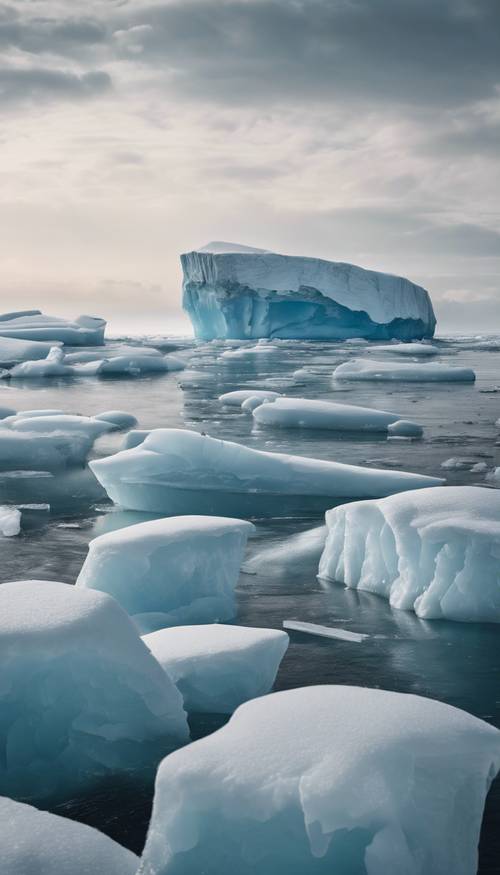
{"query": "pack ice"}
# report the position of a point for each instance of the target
(218, 667)
(175, 471)
(81, 696)
(168, 572)
(34, 325)
(326, 779)
(232, 291)
(34, 842)
(435, 552)
(428, 372)
(305, 413)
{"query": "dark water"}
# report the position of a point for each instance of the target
(454, 662)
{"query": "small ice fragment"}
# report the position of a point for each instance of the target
(10, 521)
(324, 631)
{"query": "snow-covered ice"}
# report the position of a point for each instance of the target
(230, 291)
(326, 779)
(81, 696)
(435, 551)
(176, 471)
(34, 842)
(261, 349)
(432, 372)
(58, 364)
(304, 413)
(169, 572)
(34, 325)
(219, 667)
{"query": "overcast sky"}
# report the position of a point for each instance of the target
(356, 130)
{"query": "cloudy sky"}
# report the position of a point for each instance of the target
(356, 130)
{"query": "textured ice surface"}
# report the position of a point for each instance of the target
(10, 521)
(172, 571)
(432, 372)
(34, 325)
(218, 667)
(231, 291)
(303, 413)
(34, 842)
(81, 696)
(326, 780)
(262, 348)
(239, 396)
(435, 552)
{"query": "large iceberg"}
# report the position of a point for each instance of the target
(436, 552)
(218, 667)
(232, 291)
(326, 779)
(172, 571)
(81, 696)
(34, 842)
(34, 325)
(175, 471)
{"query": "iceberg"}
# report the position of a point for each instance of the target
(57, 364)
(303, 413)
(81, 696)
(169, 572)
(176, 471)
(13, 351)
(119, 419)
(432, 372)
(34, 325)
(434, 552)
(34, 842)
(326, 779)
(217, 667)
(232, 291)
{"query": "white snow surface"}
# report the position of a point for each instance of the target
(369, 369)
(172, 571)
(305, 413)
(34, 325)
(326, 779)
(34, 842)
(81, 696)
(176, 471)
(218, 667)
(435, 551)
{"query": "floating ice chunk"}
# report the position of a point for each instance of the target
(35, 842)
(13, 351)
(111, 350)
(240, 294)
(51, 366)
(81, 696)
(48, 411)
(289, 554)
(218, 667)
(432, 372)
(303, 413)
(493, 476)
(250, 404)
(140, 364)
(415, 349)
(64, 423)
(237, 398)
(324, 631)
(118, 418)
(479, 467)
(460, 464)
(405, 428)
(326, 779)
(243, 351)
(175, 471)
(434, 552)
(10, 521)
(134, 438)
(184, 569)
(30, 450)
(34, 325)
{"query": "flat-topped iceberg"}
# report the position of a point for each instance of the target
(175, 471)
(232, 291)
(169, 572)
(435, 552)
(218, 667)
(81, 696)
(35, 325)
(34, 842)
(411, 372)
(326, 779)
(306, 413)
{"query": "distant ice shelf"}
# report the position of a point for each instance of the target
(233, 291)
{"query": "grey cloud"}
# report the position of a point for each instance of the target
(39, 83)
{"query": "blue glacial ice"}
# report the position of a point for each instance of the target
(326, 779)
(232, 291)
(81, 696)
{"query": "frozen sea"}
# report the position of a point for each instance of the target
(454, 662)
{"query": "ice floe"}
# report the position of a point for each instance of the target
(304, 413)
(428, 372)
(34, 325)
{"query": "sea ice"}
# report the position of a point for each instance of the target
(218, 667)
(262, 348)
(51, 366)
(326, 779)
(13, 351)
(230, 291)
(34, 842)
(237, 398)
(81, 696)
(169, 572)
(434, 551)
(34, 325)
(432, 372)
(303, 413)
(175, 471)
